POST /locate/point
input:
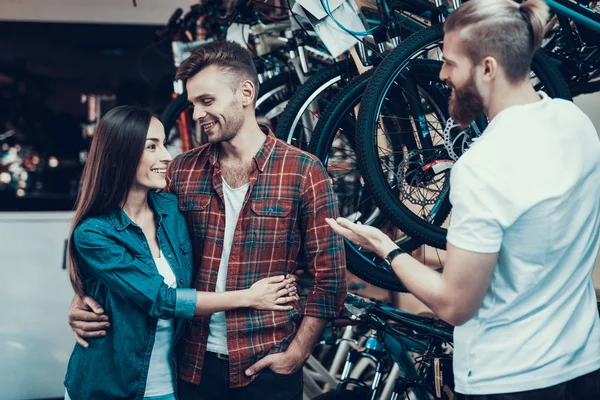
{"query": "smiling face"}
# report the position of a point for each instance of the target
(459, 73)
(218, 103)
(152, 168)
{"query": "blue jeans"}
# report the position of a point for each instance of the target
(214, 384)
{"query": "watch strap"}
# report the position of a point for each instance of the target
(393, 254)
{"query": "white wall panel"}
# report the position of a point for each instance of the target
(152, 12)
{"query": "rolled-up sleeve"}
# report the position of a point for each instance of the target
(185, 303)
(104, 258)
(324, 249)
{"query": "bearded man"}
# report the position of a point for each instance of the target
(524, 231)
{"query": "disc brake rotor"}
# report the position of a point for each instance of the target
(421, 177)
(457, 140)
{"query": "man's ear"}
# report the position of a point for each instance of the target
(248, 91)
(490, 68)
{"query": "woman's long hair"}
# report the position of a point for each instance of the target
(109, 172)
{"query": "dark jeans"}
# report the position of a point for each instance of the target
(214, 384)
(586, 387)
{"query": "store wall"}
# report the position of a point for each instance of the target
(147, 12)
(35, 293)
(589, 105)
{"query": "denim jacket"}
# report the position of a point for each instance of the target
(119, 272)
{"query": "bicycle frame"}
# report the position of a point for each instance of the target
(423, 337)
(404, 373)
(390, 26)
(578, 53)
(577, 12)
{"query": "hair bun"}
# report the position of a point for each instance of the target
(535, 12)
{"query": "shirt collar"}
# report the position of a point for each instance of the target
(121, 220)
(260, 158)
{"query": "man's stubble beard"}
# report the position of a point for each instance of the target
(234, 124)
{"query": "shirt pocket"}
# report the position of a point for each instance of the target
(270, 222)
(194, 202)
(196, 208)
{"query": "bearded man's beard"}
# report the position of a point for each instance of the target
(466, 104)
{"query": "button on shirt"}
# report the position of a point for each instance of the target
(282, 221)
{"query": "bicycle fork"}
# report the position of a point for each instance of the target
(372, 354)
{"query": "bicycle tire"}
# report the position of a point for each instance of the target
(320, 146)
(373, 97)
(274, 95)
(170, 114)
(306, 95)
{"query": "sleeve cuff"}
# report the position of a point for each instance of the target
(472, 246)
(324, 306)
(185, 303)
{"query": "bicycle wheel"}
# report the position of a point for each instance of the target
(174, 124)
(301, 114)
(421, 185)
(272, 99)
(333, 143)
(274, 95)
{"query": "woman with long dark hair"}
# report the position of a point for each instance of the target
(130, 250)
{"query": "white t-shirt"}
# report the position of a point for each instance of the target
(529, 188)
(234, 199)
(161, 374)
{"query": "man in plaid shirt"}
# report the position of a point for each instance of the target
(255, 207)
(285, 197)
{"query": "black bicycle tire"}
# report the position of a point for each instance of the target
(318, 82)
(170, 114)
(350, 96)
(376, 88)
(320, 144)
(287, 79)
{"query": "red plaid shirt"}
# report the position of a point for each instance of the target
(281, 222)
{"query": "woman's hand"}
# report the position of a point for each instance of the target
(273, 293)
(365, 236)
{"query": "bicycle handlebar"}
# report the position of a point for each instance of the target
(362, 308)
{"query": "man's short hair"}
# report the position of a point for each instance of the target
(504, 29)
(229, 56)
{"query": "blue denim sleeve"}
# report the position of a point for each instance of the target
(104, 258)
(185, 303)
